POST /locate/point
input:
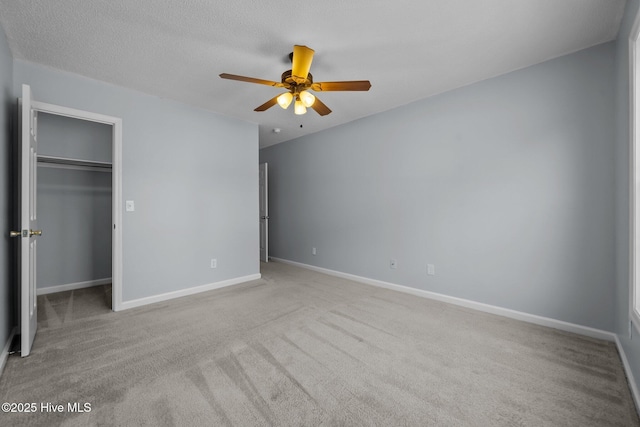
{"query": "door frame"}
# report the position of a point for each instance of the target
(264, 199)
(116, 186)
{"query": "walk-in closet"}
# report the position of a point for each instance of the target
(74, 198)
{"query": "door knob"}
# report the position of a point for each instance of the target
(25, 233)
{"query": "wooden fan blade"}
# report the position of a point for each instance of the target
(270, 103)
(301, 63)
(320, 107)
(250, 80)
(354, 85)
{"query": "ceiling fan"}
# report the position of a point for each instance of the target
(298, 80)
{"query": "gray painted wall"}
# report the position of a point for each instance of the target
(191, 173)
(74, 206)
(68, 137)
(74, 212)
(506, 186)
(7, 219)
(631, 345)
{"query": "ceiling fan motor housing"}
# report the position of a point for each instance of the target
(296, 82)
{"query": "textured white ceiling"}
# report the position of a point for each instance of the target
(408, 49)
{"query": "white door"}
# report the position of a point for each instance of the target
(264, 213)
(28, 245)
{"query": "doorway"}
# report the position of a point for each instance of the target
(28, 112)
(90, 161)
(74, 207)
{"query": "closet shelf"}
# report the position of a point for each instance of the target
(52, 161)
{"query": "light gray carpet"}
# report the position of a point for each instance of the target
(303, 348)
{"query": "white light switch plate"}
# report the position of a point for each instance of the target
(130, 206)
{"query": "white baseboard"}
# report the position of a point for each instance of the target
(72, 286)
(500, 311)
(630, 379)
(185, 292)
(5, 351)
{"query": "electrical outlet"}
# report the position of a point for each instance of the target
(393, 264)
(313, 251)
(214, 263)
(431, 269)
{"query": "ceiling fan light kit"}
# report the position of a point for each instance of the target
(299, 108)
(298, 80)
(307, 98)
(285, 99)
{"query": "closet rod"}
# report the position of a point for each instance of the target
(73, 162)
